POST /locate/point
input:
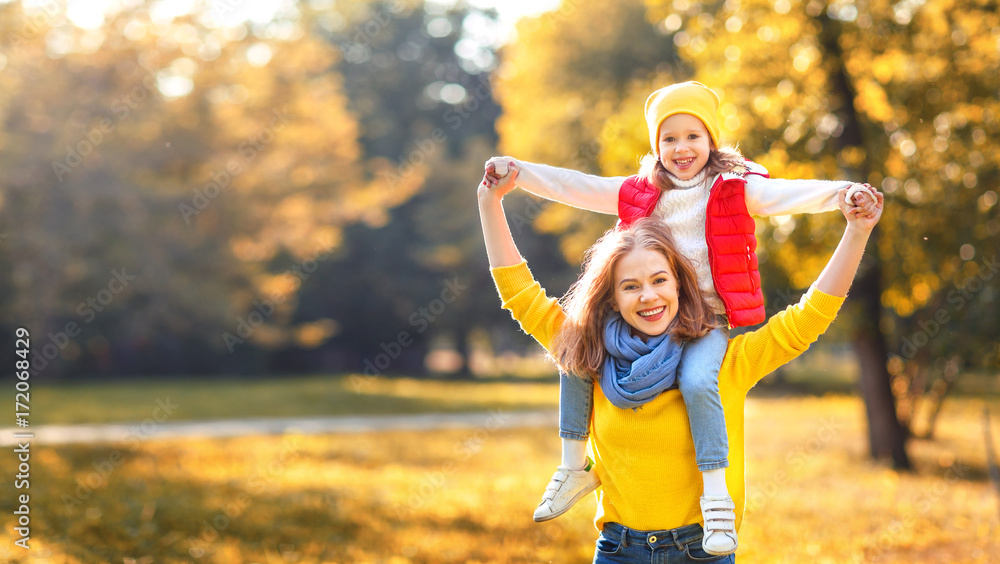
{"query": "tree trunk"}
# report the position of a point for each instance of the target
(464, 351)
(886, 436)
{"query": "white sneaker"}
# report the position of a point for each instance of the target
(565, 489)
(719, 514)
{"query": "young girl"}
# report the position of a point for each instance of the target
(706, 195)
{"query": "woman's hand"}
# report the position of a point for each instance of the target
(864, 196)
(495, 186)
(500, 171)
(836, 278)
(500, 247)
(862, 217)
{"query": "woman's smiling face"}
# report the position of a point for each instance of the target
(646, 292)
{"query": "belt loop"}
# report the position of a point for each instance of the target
(625, 532)
(677, 542)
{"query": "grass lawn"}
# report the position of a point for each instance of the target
(467, 496)
(279, 397)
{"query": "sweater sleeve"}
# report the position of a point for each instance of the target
(776, 196)
(539, 315)
(586, 191)
(786, 335)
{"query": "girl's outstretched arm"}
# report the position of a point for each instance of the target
(767, 196)
(500, 247)
(585, 191)
(836, 278)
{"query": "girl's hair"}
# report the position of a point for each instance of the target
(578, 347)
(719, 161)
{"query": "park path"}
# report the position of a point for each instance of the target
(151, 430)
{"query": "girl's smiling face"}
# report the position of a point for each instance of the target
(645, 292)
(684, 145)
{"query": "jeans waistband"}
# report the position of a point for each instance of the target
(678, 537)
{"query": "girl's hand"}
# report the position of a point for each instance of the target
(862, 196)
(500, 171)
(493, 186)
(856, 215)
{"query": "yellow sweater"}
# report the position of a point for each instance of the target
(645, 458)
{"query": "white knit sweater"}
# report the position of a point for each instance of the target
(683, 210)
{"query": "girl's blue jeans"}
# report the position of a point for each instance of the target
(698, 380)
(618, 544)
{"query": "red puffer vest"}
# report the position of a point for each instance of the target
(729, 233)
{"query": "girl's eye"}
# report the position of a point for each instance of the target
(668, 139)
(693, 136)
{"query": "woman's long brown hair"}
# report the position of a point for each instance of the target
(578, 347)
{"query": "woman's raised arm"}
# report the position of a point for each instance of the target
(836, 278)
(500, 247)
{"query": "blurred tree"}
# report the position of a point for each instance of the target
(419, 81)
(164, 177)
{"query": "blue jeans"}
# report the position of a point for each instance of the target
(618, 545)
(576, 404)
(698, 379)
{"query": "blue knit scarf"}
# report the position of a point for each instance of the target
(635, 371)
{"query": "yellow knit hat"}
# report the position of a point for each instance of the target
(682, 98)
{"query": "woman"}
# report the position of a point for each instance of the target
(645, 458)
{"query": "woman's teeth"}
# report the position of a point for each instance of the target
(651, 312)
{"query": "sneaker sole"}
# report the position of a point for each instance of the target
(569, 505)
(733, 551)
